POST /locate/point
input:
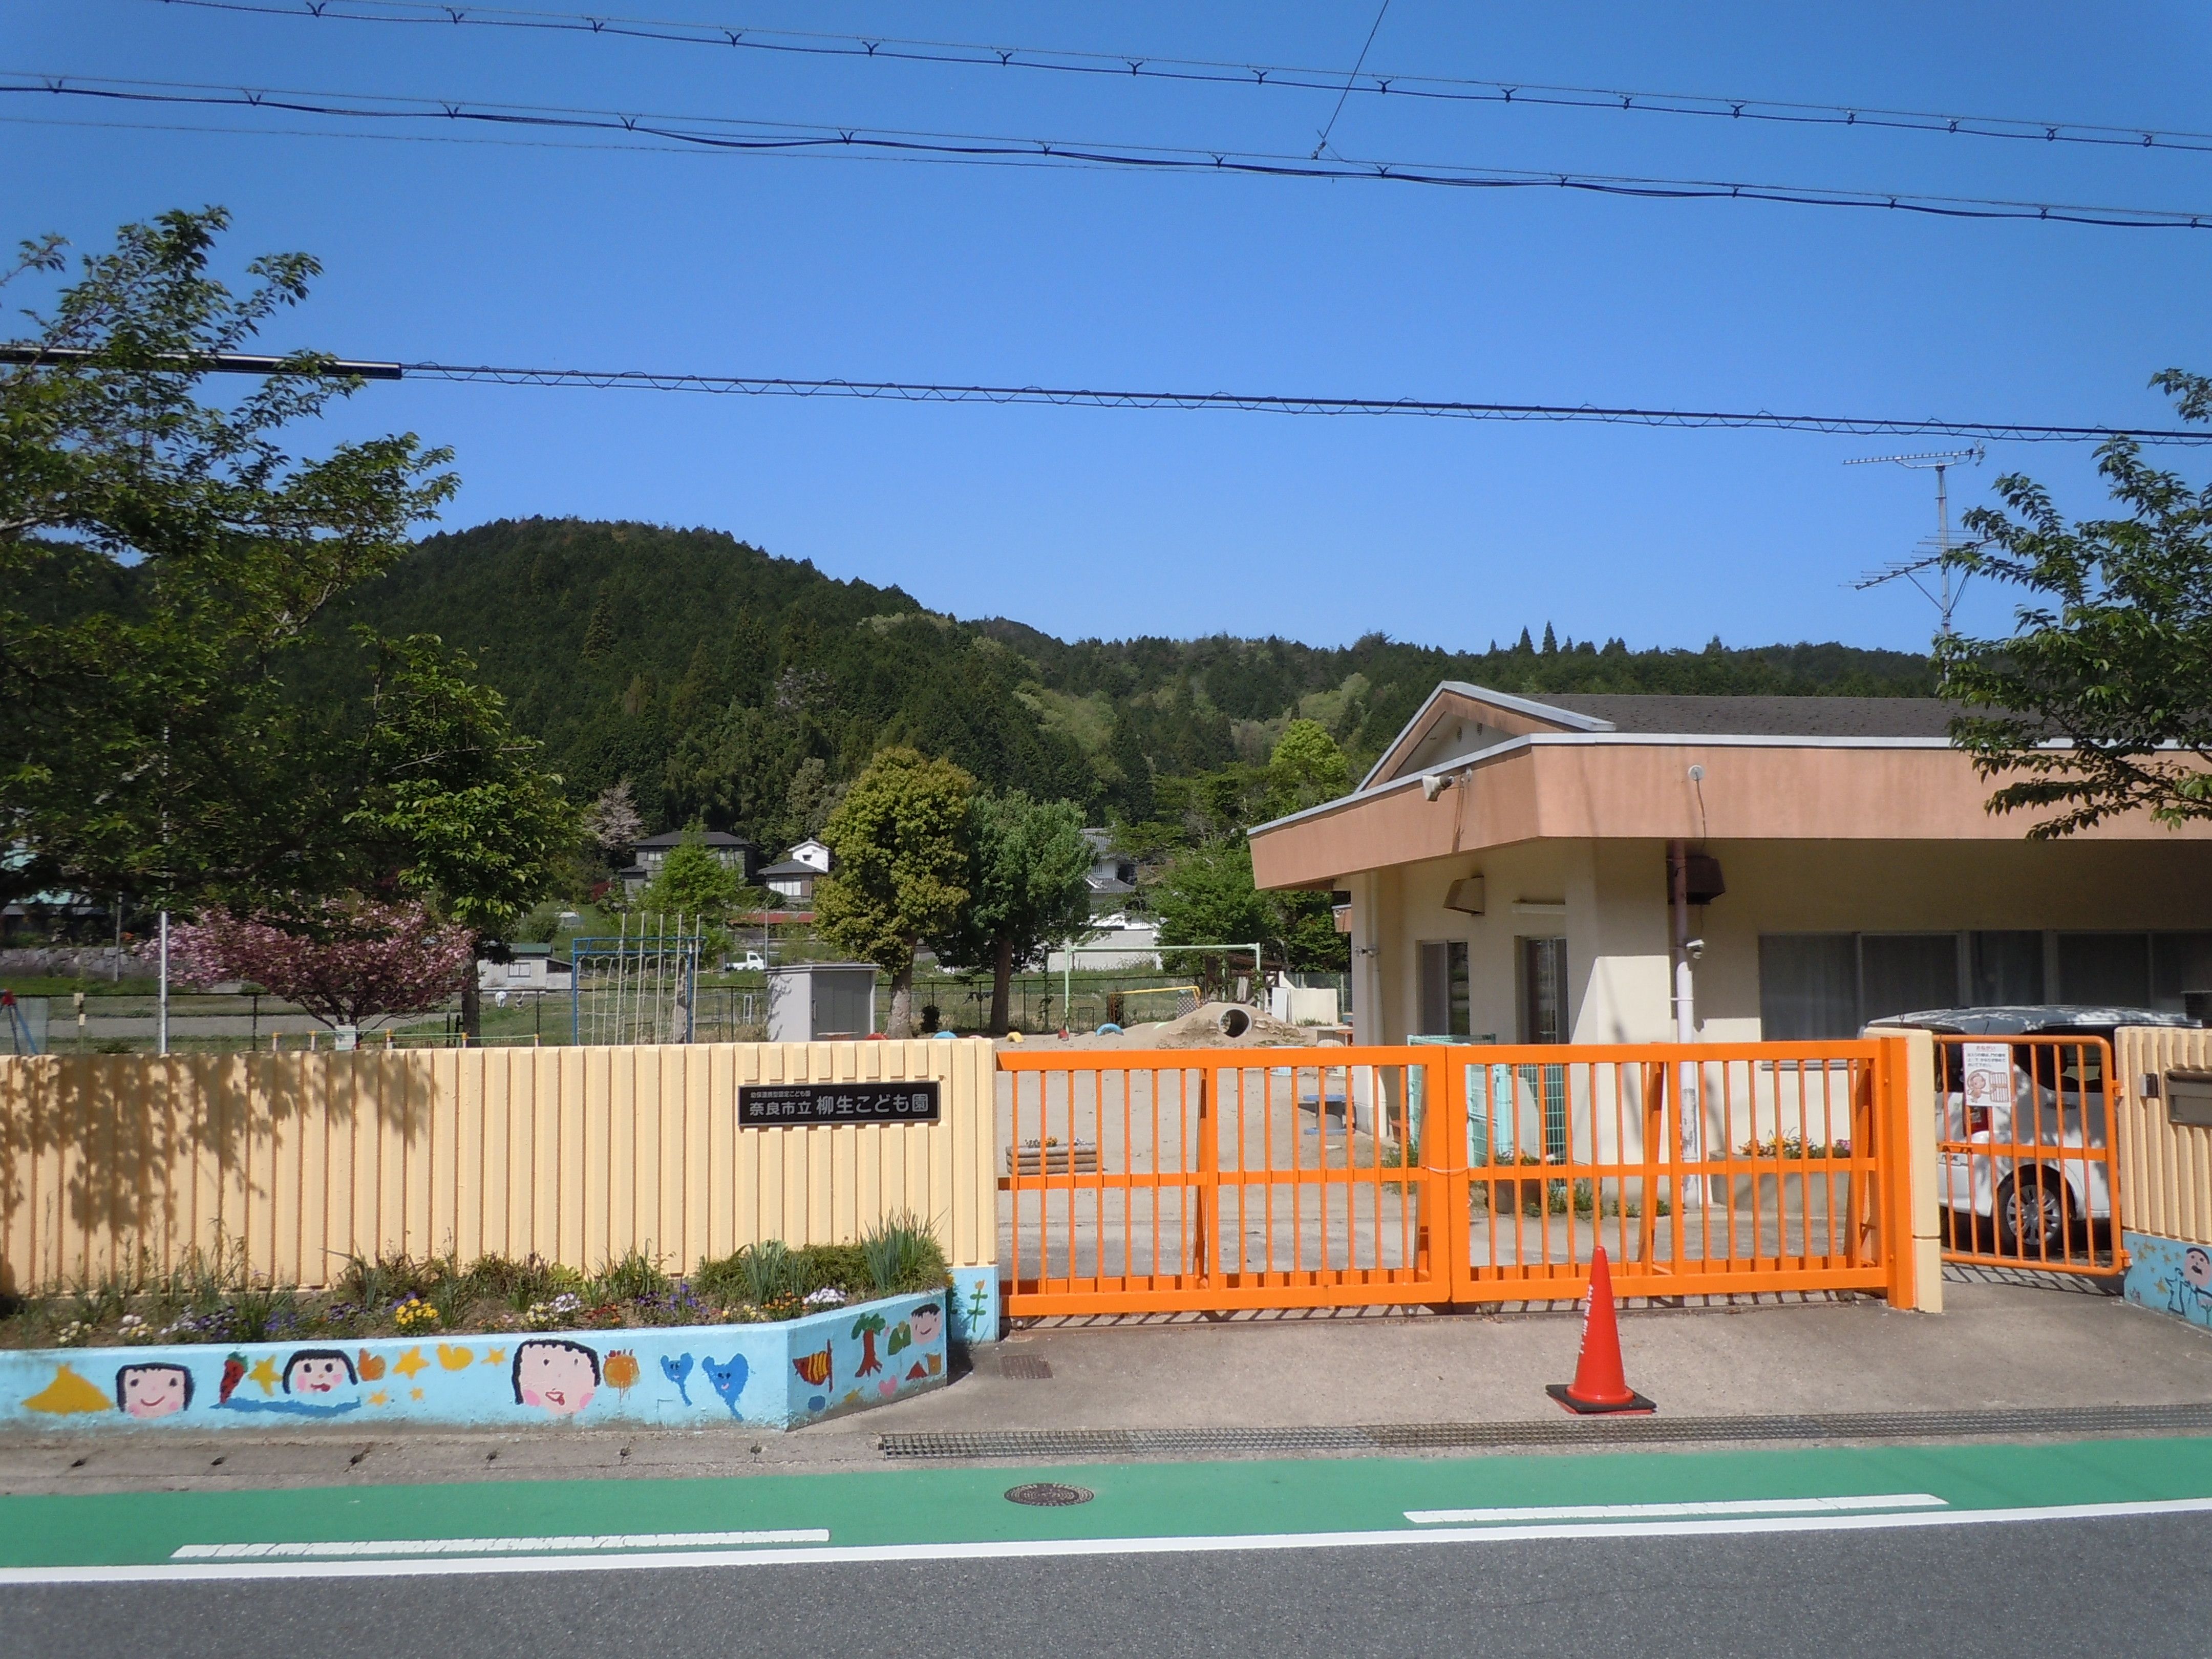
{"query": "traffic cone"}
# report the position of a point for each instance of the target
(1599, 1387)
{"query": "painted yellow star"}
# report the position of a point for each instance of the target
(379, 1398)
(410, 1363)
(265, 1373)
(494, 1357)
(415, 1394)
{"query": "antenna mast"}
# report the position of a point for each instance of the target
(1929, 554)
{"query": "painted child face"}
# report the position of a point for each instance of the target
(316, 1376)
(557, 1378)
(151, 1391)
(2197, 1269)
(926, 1320)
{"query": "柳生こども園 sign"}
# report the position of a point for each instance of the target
(797, 1105)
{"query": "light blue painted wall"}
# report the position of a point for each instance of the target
(772, 1376)
(975, 1298)
(2169, 1276)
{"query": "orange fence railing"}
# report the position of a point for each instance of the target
(1218, 1179)
(2027, 1153)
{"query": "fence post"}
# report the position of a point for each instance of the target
(1906, 1076)
(1445, 1182)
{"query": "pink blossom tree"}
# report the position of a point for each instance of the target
(362, 959)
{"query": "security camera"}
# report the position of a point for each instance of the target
(1694, 948)
(1434, 784)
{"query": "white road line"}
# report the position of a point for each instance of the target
(321, 1550)
(1895, 1500)
(1015, 1550)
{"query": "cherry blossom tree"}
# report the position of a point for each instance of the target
(363, 959)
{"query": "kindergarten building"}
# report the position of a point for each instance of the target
(1595, 868)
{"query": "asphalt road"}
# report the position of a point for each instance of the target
(2046, 1587)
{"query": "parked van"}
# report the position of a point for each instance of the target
(2006, 1132)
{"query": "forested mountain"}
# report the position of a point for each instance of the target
(738, 689)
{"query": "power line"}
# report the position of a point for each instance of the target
(1150, 66)
(1381, 12)
(746, 137)
(1096, 398)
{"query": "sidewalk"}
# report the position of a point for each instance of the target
(2000, 1347)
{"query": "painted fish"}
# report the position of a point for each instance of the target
(813, 1368)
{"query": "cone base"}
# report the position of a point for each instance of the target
(1635, 1406)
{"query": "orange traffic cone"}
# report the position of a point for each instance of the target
(1599, 1387)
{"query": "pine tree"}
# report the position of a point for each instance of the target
(1551, 644)
(599, 631)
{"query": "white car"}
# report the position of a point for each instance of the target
(2025, 1126)
(752, 962)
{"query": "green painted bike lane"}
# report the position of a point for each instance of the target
(1197, 1501)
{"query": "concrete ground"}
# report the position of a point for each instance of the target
(1999, 1346)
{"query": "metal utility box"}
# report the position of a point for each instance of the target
(809, 1001)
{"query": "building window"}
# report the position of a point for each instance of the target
(1543, 990)
(517, 970)
(1446, 985)
(2006, 968)
(1808, 987)
(1907, 974)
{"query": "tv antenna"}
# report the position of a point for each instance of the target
(1931, 554)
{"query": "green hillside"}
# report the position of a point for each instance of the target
(738, 688)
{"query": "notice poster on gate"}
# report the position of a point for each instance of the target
(1989, 1074)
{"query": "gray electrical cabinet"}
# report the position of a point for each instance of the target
(814, 1001)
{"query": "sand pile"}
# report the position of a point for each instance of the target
(1204, 1028)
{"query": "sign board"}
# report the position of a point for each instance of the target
(800, 1105)
(1988, 1067)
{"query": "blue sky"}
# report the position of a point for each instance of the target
(1092, 522)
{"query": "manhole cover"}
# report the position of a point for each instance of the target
(1026, 1367)
(1048, 1494)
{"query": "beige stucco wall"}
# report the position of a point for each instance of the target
(1617, 930)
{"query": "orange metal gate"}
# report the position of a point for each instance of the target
(2027, 1154)
(1220, 1179)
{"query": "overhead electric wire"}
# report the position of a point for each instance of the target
(1099, 397)
(1150, 66)
(738, 136)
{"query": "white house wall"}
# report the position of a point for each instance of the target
(1617, 926)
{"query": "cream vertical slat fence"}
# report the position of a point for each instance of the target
(576, 1155)
(2166, 1169)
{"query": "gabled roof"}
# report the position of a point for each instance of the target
(1459, 719)
(675, 838)
(791, 867)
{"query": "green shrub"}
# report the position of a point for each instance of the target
(901, 1254)
(630, 1278)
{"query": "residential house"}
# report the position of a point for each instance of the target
(1113, 877)
(528, 968)
(735, 853)
(792, 879)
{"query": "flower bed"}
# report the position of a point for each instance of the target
(809, 1332)
(774, 1374)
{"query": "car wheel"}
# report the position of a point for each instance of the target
(2031, 1215)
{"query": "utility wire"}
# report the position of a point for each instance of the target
(1096, 398)
(735, 135)
(1143, 66)
(1381, 12)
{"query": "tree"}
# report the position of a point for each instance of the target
(1208, 898)
(1306, 769)
(611, 821)
(452, 799)
(1027, 880)
(899, 875)
(164, 567)
(363, 959)
(2100, 702)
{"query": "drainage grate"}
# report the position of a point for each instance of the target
(1026, 1366)
(1997, 1422)
(1048, 1494)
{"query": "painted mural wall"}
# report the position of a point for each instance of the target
(2170, 1276)
(771, 1377)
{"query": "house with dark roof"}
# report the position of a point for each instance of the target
(734, 852)
(1113, 876)
(1618, 869)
